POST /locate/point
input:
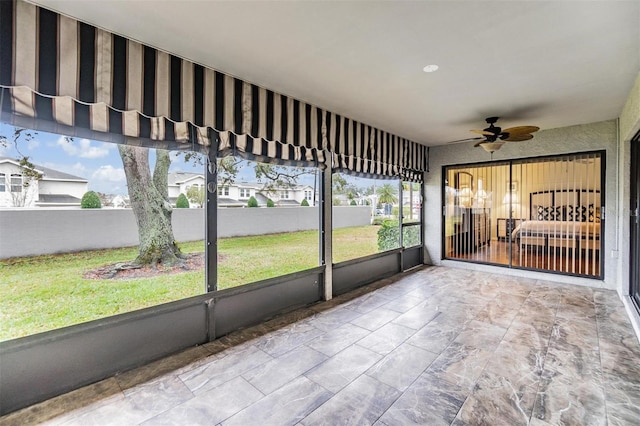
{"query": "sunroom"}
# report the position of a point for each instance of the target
(330, 90)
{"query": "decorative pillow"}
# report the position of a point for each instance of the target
(580, 213)
(567, 212)
(541, 213)
(555, 213)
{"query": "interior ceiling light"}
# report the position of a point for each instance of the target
(491, 146)
(430, 68)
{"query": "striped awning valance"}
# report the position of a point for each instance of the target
(58, 74)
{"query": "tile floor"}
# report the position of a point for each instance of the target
(440, 346)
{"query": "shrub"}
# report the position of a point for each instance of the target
(270, 203)
(252, 202)
(388, 235)
(411, 236)
(90, 200)
(353, 203)
(304, 203)
(378, 220)
(406, 211)
(182, 202)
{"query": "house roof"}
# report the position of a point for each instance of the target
(47, 173)
(529, 62)
(176, 178)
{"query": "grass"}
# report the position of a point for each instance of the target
(43, 293)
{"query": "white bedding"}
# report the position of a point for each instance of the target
(559, 229)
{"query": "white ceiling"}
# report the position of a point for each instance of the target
(550, 64)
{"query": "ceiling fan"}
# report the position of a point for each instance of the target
(493, 137)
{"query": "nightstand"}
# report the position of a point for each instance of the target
(506, 226)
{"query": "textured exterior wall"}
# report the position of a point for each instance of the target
(29, 232)
(565, 140)
(630, 116)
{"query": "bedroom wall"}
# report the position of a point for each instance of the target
(565, 140)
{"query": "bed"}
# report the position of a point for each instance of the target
(561, 219)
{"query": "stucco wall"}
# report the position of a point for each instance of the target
(630, 116)
(28, 232)
(565, 140)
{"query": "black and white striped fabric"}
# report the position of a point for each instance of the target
(58, 74)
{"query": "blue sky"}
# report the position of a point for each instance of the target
(98, 162)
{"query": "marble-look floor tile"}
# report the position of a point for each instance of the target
(224, 369)
(65, 407)
(288, 338)
(119, 412)
(480, 334)
(460, 364)
(496, 400)
(435, 336)
(332, 319)
(413, 362)
(360, 403)
(366, 303)
(173, 364)
(417, 317)
(375, 319)
(428, 401)
(338, 339)
(403, 304)
(623, 399)
(286, 406)
(276, 373)
(386, 339)
(496, 314)
(520, 364)
(210, 407)
(338, 371)
(621, 360)
(565, 400)
(159, 395)
(531, 334)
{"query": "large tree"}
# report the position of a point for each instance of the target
(149, 197)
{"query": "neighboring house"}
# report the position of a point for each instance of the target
(52, 189)
(237, 194)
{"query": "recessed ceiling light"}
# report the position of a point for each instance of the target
(430, 68)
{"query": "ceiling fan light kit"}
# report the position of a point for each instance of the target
(490, 147)
(495, 137)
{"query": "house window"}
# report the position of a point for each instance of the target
(223, 190)
(16, 183)
(308, 195)
(245, 193)
(3, 184)
(285, 195)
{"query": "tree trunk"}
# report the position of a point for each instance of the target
(150, 203)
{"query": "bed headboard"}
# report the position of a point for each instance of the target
(579, 205)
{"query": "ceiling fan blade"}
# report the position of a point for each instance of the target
(479, 143)
(519, 130)
(518, 138)
(464, 140)
(482, 132)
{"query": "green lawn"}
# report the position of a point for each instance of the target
(47, 292)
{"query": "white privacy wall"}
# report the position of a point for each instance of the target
(565, 140)
(30, 232)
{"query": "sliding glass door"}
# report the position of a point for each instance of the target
(539, 213)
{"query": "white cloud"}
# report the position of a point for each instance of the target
(32, 145)
(82, 148)
(109, 173)
(78, 168)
